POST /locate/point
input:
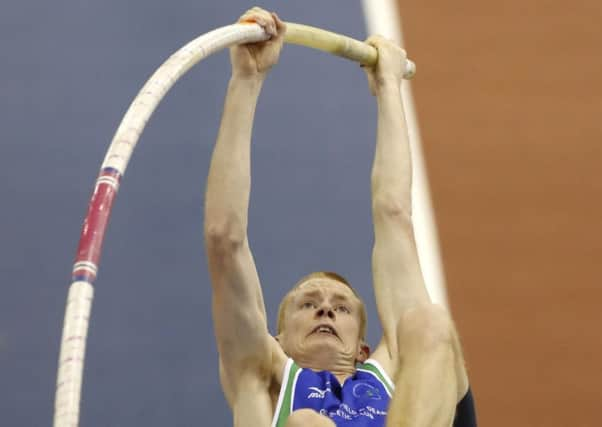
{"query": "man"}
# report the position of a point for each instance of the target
(318, 371)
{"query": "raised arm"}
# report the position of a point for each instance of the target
(415, 331)
(238, 308)
(398, 281)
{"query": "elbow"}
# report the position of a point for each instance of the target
(389, 206)
(224, 236)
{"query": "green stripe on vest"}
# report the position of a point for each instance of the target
(370, 367)
(285, 408)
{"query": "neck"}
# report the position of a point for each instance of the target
(340, 366)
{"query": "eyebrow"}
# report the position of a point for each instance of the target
(316, 293)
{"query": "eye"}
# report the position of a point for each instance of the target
(308, 304)
(343, 309)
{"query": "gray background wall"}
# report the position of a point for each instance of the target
(68, 73)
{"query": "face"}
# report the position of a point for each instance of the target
(322, 315)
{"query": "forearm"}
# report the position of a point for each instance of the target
(392, 168)
(229, 180)
(398, 281)
(233, 273)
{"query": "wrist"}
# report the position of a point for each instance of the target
(385, 84)
(247, 86)
(252, 79)
(388, 98)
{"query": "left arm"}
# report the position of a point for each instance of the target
(398, 281)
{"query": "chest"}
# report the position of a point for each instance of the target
(362, 400)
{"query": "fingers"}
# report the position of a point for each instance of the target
(375, 39)
(280, 25)
(270, 22)
(379, 42)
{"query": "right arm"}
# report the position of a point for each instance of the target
(238, 311)
(239, 317)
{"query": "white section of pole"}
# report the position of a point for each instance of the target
(382, 18)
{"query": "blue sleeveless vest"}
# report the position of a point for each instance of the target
(361, 401)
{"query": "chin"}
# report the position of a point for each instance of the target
(324, 344)
(313, 346)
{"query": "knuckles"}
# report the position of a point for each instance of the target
(267, 20)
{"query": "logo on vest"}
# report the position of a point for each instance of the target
(366, 391)
(317, 393)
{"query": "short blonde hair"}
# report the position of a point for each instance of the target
(321, 275)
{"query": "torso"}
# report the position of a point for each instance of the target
(258, 399)
(361, 401)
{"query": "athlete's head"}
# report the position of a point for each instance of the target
(322, 313)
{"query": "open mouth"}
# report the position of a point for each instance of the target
(324, 330)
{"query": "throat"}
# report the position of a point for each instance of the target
(341, 367)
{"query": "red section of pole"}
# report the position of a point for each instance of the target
(97, 218)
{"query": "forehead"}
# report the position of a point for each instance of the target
(324, 286)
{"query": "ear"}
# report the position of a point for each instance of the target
(363, 352)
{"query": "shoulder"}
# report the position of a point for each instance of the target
(385, 361)
(375, 370)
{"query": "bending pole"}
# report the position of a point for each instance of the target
(79, 300)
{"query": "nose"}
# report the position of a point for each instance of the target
(326, 311)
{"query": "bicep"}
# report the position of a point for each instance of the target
(398, 281)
